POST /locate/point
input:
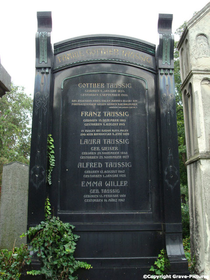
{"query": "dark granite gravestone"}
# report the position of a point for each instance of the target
(109, 103)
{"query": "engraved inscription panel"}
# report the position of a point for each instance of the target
(104, 143)
(104, 53)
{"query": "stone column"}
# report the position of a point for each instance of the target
(40, 120)
(195, 73)
(169, 148)
(14, 205)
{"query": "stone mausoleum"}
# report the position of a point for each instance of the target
(194, 51)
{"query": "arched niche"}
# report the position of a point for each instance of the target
(202, 46)
(205, 96)
(182, 64)
(187, 122)
(190, 124)
(186, 61)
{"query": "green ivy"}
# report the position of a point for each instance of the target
(187, 251)
(12, 262)
(54, 243)
(47, 209)
(51, 157)
(161, 265)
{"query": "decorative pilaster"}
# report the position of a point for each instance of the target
(169, 148)
(40, 125)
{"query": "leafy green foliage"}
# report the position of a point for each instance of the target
(180, 118)
(51, 157)
(15, 127)
(161, 265)
(55, 244)
(12, 262)
(185, 220)
(181, 138)
(185, 212)
(47, 209)
(186, 245)
(187, 250)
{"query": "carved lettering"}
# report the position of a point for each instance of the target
(104, 53)
(112, 85)
(115, 141)
(116, 114)
(91, 85)
(91, 184)
(90, 114)
(110, 190)
(107, 121)
(116, 183)
(89, 165)
(118, 164)
(90, 141)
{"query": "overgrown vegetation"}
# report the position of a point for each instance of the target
(187, 250)
(161, 265)
(179, 112)
(54, 243)
(15, 127)
(185, 220)
(12, 262)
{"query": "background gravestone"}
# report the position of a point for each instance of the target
(14, 205)
(109, 103)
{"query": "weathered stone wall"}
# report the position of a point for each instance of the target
(14, 205)
(194, 48)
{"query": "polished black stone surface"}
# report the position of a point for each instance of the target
(109, 103)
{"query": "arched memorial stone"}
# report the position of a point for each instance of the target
(111, 111)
